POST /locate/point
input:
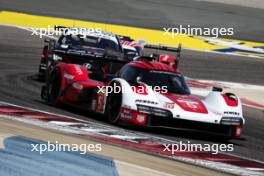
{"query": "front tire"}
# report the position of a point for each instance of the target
(114, 103)
(55, 91)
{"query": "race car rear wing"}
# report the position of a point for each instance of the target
(166, 48)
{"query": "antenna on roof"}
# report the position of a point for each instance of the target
(178, 56)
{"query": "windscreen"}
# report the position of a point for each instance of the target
(174, 82)
(90, 41)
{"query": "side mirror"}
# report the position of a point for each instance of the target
(217, 89)
(109, 77)
(130, 55)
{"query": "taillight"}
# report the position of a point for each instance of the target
(237, 132)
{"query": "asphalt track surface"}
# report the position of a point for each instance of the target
(248, 23)
(20, 53)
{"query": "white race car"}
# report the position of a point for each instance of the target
(153, 94)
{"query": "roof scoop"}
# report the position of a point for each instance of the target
(217, 89)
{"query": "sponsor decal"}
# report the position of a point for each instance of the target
(169, 105)
(189, 103)
(100, 102)
(77, 86)
(68, 76)
(78, 69)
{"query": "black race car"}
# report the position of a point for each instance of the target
(73, 45)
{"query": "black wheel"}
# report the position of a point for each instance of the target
(114, 102)
(229, 133)
(54, 89)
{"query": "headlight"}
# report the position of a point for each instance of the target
(231, 121)
(144, 109)
(56, 57)
(153, 111)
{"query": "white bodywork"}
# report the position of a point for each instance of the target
(214, 103)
